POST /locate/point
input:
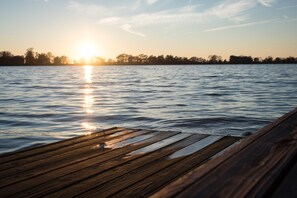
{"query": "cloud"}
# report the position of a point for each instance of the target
(127, 28)
(111, 20)
(240, 25)
(288, 7)
(233, 10)
(230, 10)
(45, 1)
(267, 3)
(86, 8)
(151, 1)
(183, 14)
(236, 11)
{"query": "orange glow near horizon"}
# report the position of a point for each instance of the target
(88, 51)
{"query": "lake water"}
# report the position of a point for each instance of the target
(46, 104)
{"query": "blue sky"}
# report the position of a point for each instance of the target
(179, 27)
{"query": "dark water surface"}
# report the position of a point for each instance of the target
(46, 104)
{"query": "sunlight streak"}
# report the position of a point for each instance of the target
(89, 127)
(88, 97)
(88, 73)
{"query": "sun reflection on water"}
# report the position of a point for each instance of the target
(88, 97)
(88, 73)
(88, 126)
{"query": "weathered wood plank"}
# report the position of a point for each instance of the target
(215, 180)
(150, 160)
(36, 167)
(62, 149)
(252, 171)
(79, 147)
(95, 175)
(33, 184)
(277, 166)
(287, 187)
(18, 155)
(147, 179)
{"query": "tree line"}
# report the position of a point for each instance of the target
(35, 58)
(32, 58)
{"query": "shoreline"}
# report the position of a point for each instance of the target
(149, 64)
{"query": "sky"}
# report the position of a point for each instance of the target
(257, 28)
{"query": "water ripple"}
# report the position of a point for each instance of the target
(44, 104)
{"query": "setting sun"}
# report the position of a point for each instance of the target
(87, 51)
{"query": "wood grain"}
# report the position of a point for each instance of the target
(45, 179)
(241, 170)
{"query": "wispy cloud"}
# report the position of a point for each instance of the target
(86, 8)
(241, 25)
(127, 28)
(232, 10)
(168, 16)
(288, 19)
(46, 1)
(151, 1)
(267, 3)
(288, 7)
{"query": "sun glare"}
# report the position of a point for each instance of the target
(87, 51)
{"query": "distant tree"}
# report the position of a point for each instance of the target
(257, 60)
(214, 59)
(7, 58)
(248, 59)
(110, 61)
(99, 60)
(143, 58)
(268, 60)
(123, 58)
(42, 59)
(169, 59)
(50, 57)
(184, 60)
(152, 60)
(64, 60)
(279, 60)
(201, 60)
(240, 59)
(291, 60)
(132, 59)
(5, 54)
(33, 58)
(17, 60)
(29, 57)
(57, 60)
(160, 59)
(60, 60)
(194, 60)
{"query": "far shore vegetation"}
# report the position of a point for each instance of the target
(31, 58)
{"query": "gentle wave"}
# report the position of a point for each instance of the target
(39, 105)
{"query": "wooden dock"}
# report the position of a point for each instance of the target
(262, 165)
(120, 162)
